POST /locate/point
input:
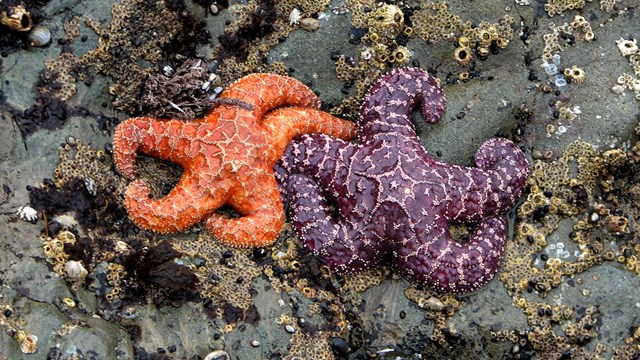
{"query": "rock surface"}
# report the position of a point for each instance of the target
(387, 322)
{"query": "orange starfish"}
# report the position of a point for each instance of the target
(227, 157)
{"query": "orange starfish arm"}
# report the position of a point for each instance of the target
(262, 214)
(285, 124)
(264, 92)
(184, 206)
(166, 139)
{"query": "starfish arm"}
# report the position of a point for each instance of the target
(491, 188)
(184, 206)
(285, 124)
(388, 105)
(342, 247)
(263, 92)
(320, 157)
(440, 262)
(166, 139)
(262, 215)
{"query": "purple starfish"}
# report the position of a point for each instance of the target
(394, 201)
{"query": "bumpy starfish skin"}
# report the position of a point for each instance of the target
(227, 158)
(394, 201)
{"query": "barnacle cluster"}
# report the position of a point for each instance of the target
(582, 28)
(549, 344)
(71, 28)
(566, 34)
(607, 5)
(594, 192)
(138, 31)
(225, 274)
(311, 346)
(434, 22)
(629, 49)
(554, 193)
(382, 31)
(259, 27)
(53, 249)
(80, 160)
(564, 115)
(485, 36)
(381, 37)
(13, 325)
(357, 283)
(116, 275)
(556, 7)
(437, 307)
(565, 112)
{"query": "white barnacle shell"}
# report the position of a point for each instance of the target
(16, 18)
(635, 85)
(39, 36)
(366, 54)
(625, 80)
(28, 342)
(294, 16)
(627, 47)
(122, 247)
(27, 213)
(74, 271)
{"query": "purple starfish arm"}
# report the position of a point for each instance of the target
(440, 262)
(345, 246)
(489, 189)
(345, 242)
(388, 105)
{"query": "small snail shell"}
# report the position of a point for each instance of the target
(39, 36)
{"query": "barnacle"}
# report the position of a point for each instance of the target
(464, 41)
(400, 56)
(16, 18)
(627, 47)
(575, 74)
(75, 272)
(589, 35)
(483, 51)
(616, 224)
(578, 22)
(462, 55)
(386, 20)
(28, 342)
